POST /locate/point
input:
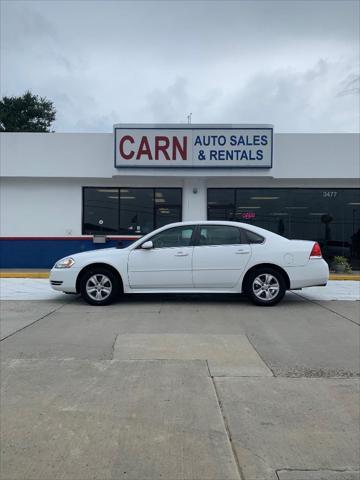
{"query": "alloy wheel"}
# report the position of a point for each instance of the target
(99, 287)
(266, 287)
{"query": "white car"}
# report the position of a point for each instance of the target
(195, 257)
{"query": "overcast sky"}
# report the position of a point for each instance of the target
(294, 64)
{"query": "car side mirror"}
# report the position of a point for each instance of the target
(147, 245)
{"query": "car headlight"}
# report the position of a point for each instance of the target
(65, 263)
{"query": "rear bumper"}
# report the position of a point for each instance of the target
(315, 273)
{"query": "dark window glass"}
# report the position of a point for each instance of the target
(219, 235)
(221, 196)
(330, 216)
(129, 211)
(174, 237)
(136, 211)
(253, 237)
(166, 215)
(221, 204)
(167, 206)
(167, 196)
(101, 210)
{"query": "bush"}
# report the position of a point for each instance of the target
(339, 260)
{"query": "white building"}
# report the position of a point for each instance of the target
(62, 193)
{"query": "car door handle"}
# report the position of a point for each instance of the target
(242, 251)
(181, 254)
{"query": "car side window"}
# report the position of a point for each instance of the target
(253, 237)
(219, 235)
(174, 237)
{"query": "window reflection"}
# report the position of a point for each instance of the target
(129, 211)
(136, 210)
(330, 216)
(100, 208)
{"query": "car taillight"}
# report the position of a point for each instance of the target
(316, 251)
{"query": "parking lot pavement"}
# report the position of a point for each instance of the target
(226, 355)
(295, 338)
(180, 387)
(293, 424)
(102, 420)
(349, 310)
(15, 315)
(74, 419)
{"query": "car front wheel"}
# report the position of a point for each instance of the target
(99, 286)
(266, 287)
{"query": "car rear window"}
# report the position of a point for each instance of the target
(253, 237)
(219, 235)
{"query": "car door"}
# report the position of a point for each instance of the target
(166, 266)
(220, 256)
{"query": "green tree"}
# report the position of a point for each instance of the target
(27, 113)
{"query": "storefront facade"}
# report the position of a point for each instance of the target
(65, 193)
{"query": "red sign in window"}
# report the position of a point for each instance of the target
(248, 215)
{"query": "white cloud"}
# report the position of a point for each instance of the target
(294, 64)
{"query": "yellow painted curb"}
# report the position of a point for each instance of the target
(340, 276)
(24, 275)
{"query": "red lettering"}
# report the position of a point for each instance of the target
(144, 149)
(161, 145)
(127, 156)
(162, 148)
(181, 149)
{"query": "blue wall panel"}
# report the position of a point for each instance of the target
(43, 253)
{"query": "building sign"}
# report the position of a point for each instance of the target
(193, 146)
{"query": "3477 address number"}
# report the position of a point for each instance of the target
(327, 194)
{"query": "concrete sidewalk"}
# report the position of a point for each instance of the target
(44, 273)
(39, 289)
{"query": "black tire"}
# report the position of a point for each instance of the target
(107, 286)
(271, 292)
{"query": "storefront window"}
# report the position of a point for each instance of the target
(167, 206)
(129, 211)
(330, 216)
(136, 211)
(100, 210)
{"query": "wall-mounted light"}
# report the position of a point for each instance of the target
(195, 190)
(264, 198)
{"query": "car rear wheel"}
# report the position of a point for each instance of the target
(266, 287)
(99, 286)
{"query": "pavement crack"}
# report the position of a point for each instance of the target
(33, 323)
(294, 469)
(226, 425)
(312, 470)
(113, 346)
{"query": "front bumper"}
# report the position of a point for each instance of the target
(64, 279)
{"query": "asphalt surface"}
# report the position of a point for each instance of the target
(180, 387)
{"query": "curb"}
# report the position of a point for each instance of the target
(333, 276)
(338, 276)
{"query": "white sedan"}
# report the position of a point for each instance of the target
(195, 257)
